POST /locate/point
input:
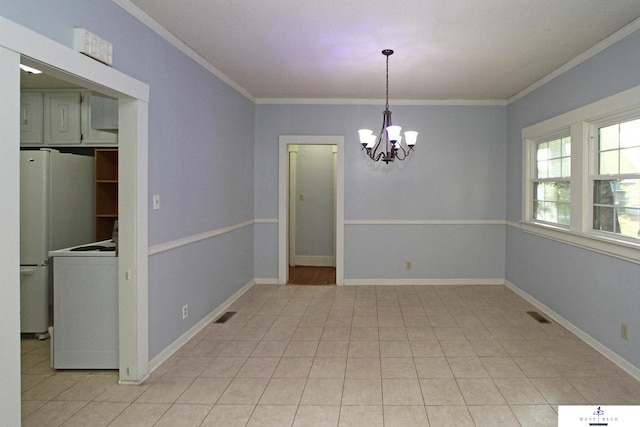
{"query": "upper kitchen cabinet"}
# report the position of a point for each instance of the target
(99, 119)
(63, 118)
(62, 124)
(31, 115)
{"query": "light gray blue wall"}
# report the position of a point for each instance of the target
(315, 226)
(457, 172)
(594, 292)
(200, 160)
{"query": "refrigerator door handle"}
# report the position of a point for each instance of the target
(27, 271)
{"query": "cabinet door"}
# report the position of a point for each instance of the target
(92, 117)
(62, 118)
(31, 118)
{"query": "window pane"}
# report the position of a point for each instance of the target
(630, 222)
(555, 149)
(563, 213)
(608, 138)
(630, 160)
(617, 206)
(542, 169)
(550, 192)
(542, 153)
(538, 191)
(604, 219)
(602, 193)
(563, 191)
(566, 167)
(630, 188)
(609, 163)
(630, 134)
(566, 147)
(551, 202)
(555, 168)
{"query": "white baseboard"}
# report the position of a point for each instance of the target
(193, 331)
(266, 281)
(423, 282)
(315, 261)
(599, 347)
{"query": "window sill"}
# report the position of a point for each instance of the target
(622, 249)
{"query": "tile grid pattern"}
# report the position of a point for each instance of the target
(346, 356)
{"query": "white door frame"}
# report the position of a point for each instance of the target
(283, 196)
(18, 44)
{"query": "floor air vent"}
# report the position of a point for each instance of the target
(539, 317)
(228, 315)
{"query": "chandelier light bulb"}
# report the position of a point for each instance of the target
(410, 137)
(393, 132)
(372, 140)
(365, 135)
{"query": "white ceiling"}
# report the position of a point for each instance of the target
(444, 49)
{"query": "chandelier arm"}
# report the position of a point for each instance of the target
(376, 158)
(405, 153)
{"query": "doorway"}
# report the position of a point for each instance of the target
(312, 208)
(287, 230)
(22, 45)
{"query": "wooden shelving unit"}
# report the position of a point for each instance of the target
(106, 170)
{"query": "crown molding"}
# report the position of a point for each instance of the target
(589, 53)
(156, 27)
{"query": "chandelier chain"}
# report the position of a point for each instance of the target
(387, 102)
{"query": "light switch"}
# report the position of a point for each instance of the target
(156, 201)
(301, 196)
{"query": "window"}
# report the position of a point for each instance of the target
(616, 185)
(581, 177)
(551, 184)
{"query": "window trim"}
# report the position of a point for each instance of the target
(580, 124)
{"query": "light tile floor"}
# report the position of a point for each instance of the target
(346, 356)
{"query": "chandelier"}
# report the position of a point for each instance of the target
(387, 146)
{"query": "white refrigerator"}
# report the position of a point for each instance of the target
(56, 211)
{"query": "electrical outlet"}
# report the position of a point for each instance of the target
(408, 265)
(185, 311)
(624, 331)
(156, 201)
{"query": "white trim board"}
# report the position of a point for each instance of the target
(602, 349)
(174, 244)
(424, 222)
(423, 282)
